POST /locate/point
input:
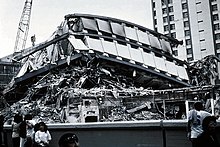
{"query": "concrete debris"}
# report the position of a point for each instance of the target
(84, 94)
(94, 92)
(204, 71)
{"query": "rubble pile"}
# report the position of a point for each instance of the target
(69, 95)
(204, 71)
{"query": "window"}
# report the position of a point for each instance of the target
(186, 24)
(169, 1)
(216, 27)
(187, 33)
(153, 4)
(164, 19)
(162, 1)
(170, 9)
(188, 51)
(173, 35)
(214, 7)
(188, 42)
(164, 10)
(155, 13)
(189, 58)
(172, 27)
(217, 36)
(155, 21)
(166, 28)
(213, 0)
(171, 17)
(215, 17)
(184, 6)
(185, 15)
(175, 52)
(217, 45)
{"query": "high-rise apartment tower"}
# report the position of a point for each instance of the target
(196, 22)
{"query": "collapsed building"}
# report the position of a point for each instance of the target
(97, 69)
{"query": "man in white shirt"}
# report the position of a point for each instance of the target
(195, 118)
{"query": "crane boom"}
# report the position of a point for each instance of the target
(23, 27)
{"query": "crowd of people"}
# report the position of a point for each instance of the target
(27, 133)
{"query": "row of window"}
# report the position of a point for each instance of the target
(188, 42)
(165, 11)
(7, 69)
(171, 18)
(169, 27)
(164, 2)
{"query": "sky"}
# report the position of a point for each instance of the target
(46, 15)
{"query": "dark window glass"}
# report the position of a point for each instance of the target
(170, 9)
(164, 10)
(217, 36)
(188, 42)
(186, 24)
(187, 33)
(166, 28)
(185, 15)
(215, 17)
(173, 35)
(165, 19)
(216, 26)
(155, 21)
(189, 51)
(169, 1)
(172, 27)
(175, 52)
(184, 6)
(189, 58)
(171, 17)
(153, 4)
(217, 45)
(214, 7)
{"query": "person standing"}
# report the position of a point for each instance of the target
(42, 136)
(195, 119)
(15, 130)
(208, 137)
(26, 131)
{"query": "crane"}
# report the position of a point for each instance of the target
(23, 27)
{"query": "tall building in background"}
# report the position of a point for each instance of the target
(196, 22)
